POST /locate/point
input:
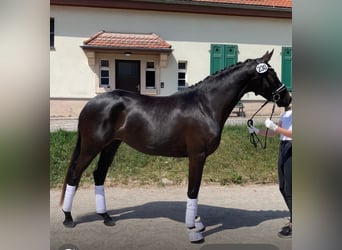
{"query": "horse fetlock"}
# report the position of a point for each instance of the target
(194, 235)
(191, 212)
(100, 199)
(199, 225)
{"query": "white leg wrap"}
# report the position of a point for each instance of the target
(100, 199)
(194, 235)
(191, 212)
(68, 198)
(199, 225)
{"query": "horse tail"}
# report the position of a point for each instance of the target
(72, 163)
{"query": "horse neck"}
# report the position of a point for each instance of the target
(225, 93)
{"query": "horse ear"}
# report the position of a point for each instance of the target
(265, 58)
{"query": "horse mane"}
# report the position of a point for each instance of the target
(211, 80)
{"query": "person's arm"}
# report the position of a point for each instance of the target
(283, 131)
(270, 132)
(274, 129)
(277, 128)
(262, 132)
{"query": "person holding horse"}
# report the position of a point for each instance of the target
(284, 128)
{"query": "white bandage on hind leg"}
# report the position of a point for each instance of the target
(68, 198)
(100, 199)
(191, 212)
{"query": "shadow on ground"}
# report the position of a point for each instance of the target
(220, 217)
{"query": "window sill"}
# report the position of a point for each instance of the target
(103, 89)
(182, 88)
(150, 91)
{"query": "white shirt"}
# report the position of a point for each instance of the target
(286, 123)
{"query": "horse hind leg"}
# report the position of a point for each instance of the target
(106, 159)
(77, 166)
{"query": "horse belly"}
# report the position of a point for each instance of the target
(157, 145)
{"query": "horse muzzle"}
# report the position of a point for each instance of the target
(285, 101)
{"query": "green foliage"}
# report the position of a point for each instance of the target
(61, 147)
(236, 161)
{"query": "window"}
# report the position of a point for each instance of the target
(150, 75)
(52, 32)
(104, 73)
(182, 75)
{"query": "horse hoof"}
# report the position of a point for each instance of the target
(109, 223)
(195, 236)
(69, 223)
(199, 225)
(107, 220)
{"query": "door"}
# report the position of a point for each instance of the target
(127, 75)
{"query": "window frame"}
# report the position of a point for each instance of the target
(183, 71)
(104, 68)
(148, 69)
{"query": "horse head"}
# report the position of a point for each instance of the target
(265, 82)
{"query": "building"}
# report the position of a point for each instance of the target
(159, 47)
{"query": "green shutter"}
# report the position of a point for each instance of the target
(286, 67)
(222, 56)
(216, 58)
(230, 55)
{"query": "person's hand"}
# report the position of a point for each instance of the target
(252, 129)
(271, 125)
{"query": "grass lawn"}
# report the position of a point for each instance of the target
(236, 161)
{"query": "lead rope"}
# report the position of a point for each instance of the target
(253, 138)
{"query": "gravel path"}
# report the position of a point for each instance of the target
(236, 217)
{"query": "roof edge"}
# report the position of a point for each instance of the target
(92, 47)
(93, 36)
(184, 6)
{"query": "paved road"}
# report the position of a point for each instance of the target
(236, 217)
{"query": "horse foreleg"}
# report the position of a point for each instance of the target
(106, 159)
(192, 220)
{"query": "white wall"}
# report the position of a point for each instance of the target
(189, 34)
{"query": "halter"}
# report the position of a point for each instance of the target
(253, 138)
(276, 93)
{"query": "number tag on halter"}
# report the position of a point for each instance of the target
(261, 68)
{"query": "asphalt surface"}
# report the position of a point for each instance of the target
(236, 217)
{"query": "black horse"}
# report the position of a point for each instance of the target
(186, 124)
